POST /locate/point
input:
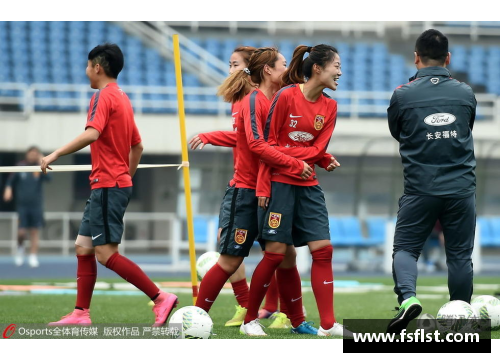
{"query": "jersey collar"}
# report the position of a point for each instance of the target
(431, 71)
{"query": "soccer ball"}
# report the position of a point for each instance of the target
(205, 262)
(456, 317)
(192, 322)
(487, 307)
(427, 322)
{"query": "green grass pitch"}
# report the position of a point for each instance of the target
(134, 309)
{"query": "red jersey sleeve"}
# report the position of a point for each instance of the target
(324, 162)
(136, 137)
(263, 181)
(254, 116)
(99, 110)
(219, 138)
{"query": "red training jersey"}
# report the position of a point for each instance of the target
(301, 129)
(112, 115)
(251, 122)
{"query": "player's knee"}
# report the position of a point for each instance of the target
(230, 264)
(101, 257)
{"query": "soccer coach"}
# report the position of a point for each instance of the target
(432, 118)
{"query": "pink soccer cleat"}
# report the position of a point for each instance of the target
(164, 304)
(265, 314)
(77, 316)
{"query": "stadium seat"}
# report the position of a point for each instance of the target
(376, 230)
(495, 231)
(336, 233)
(351, 229)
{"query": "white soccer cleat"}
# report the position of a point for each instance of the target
(254, 328)
(338, 330)
(19, 257)
(33, 261)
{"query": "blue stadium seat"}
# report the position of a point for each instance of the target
(485, 231)
(376, 230)
(352, 233)
(495, 231)
(336, 234)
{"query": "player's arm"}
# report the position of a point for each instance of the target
(135, 158)
(258, 145)
(393, 117)
(83, 140)
(473, 115)
(7, 194)
(97, 119)
(216, 138)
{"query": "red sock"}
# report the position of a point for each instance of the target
(131, 272)
(240, 289)
(261, 279)
(86, 275)
(271, 303)
(322, 284)
(283, 308)
(210, 287)
(291, 290)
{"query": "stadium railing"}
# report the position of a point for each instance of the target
(24, 99)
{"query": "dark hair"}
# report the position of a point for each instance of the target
(301, 68)
(246, 52)
(109, 57)
(432, 45)
(240, 83)
(33, 148)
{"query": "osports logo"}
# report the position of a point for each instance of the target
(274, 220)
(440, 119)
(240, 236)
(299, 136)
(9, 331)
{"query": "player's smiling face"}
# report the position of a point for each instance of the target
(330, 74)
(236, 62)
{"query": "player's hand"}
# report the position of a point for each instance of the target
(333, 164)
(195, 142)
(307, 172)
(263, 202)
(7, 195)
(47, 160)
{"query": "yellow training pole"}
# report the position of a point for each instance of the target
(187, 183)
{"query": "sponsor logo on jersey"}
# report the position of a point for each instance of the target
(440, 119)
(319, 122)
(434, 80)
(240, 236)
(274, 220)
(299, 136)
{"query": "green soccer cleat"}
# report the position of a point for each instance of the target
(410, 309)
(238, 317)
(281, 321)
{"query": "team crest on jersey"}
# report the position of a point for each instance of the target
(319, 122)
(274, 220)
(240, 236)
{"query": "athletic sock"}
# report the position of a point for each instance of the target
(261, 279)
(291, 292)
(322, 284)
(131, 272)
(271, 302)
(86, 276)
(283, 307)
(210, 287)
(240, 289)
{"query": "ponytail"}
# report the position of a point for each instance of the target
(294, 73)
(235, 87)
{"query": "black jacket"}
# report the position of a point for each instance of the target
(432, 118)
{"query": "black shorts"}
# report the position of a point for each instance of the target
(238, 220)
(30, 217)
(103, 216)
(296, 215)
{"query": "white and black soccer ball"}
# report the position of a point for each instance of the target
(205, 262)
(456, 316)
(487, 307)
(192, 322)
(427, 322)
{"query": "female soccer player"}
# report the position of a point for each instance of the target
(238, 61)
(302, 119)
(254, 87)
(116, 149)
